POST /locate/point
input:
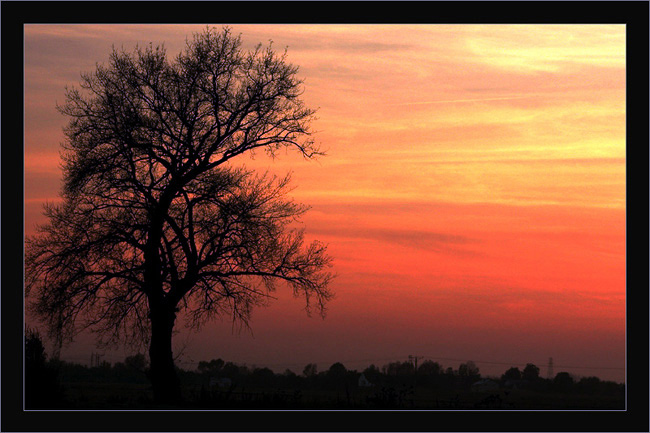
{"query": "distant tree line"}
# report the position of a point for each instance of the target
(46, 379)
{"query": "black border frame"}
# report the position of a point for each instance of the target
(632, 13)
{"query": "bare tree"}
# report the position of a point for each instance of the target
(155, 218)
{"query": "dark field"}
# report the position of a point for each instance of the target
(138, 396)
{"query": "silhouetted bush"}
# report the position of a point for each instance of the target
(563, 382)
(43, 389)
(511, 375)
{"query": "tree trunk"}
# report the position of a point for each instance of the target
(164, 380)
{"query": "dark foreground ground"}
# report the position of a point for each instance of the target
(138, 396)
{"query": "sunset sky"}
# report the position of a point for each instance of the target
(472, 196)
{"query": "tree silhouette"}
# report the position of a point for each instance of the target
(429, 368)
(530, 373)
(337, 372)
(310, 370)
(562, 381)
(372, 373)
(136, 362)
(212, 367)
(398, 368)
(468, 369)
(513, 373)
(155, 219)
(42, 387)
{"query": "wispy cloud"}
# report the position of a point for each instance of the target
(452, 101)
(417, 239)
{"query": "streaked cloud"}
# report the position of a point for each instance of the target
(417, 239)
(453, 101)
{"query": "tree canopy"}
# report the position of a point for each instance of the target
(155, 217)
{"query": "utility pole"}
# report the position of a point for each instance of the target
(414, 360)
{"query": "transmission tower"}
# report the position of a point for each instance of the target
(550, 368)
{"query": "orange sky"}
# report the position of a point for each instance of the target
(473, 196)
